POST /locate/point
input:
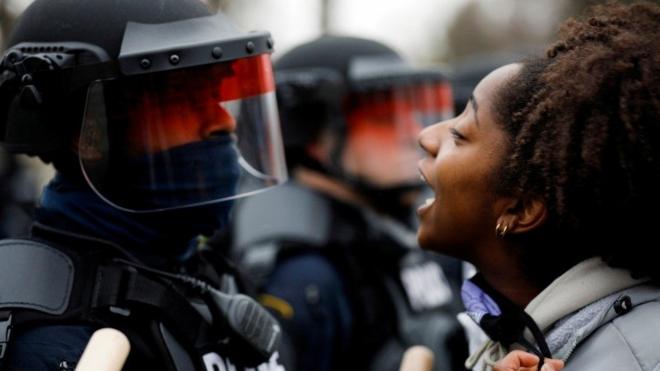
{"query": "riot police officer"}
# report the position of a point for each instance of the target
(334, 250)
(155, 114)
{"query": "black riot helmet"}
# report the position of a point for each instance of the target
(159, 104)
(371, 101)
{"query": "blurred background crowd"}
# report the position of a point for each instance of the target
(465, 38)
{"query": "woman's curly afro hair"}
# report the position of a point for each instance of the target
(584, 127)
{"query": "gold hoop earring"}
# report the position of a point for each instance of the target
(499, 231)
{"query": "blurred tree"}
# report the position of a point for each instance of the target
(575, 7)
(578, 6)
(482, 27)
(219, 4)
(325, 15)
(479, 42)
(6, 19)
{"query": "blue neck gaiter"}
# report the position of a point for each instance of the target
(68, 203)
(500, 318)
(188, 174)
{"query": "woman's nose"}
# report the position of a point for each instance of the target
(430, 138)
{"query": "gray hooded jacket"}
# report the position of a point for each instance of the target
(595, 317)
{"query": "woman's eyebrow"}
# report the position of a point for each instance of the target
(475, 107)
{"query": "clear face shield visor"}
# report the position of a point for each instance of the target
(383, 125)
(183, 137)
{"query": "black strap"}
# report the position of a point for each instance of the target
(120, 286)
(539, 338)
(509, 327)
(39, 282)
(5, 332)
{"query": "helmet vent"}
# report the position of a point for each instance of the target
(42, 49)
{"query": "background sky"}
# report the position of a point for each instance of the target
(419, 29)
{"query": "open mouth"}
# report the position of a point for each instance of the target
(428, 203)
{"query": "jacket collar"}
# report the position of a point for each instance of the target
(580, 286)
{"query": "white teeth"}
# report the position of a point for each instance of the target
(429, 201)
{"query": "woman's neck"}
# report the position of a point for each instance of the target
(511, 282)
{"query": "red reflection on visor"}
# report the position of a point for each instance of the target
(400, 109)
(250, 76)
(177, 107)
(435, 98)
(381, 140)
(383, 123)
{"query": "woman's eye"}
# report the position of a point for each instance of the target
(456, 134)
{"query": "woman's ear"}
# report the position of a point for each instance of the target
(522, 215)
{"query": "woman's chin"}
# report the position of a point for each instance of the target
(428, 239)
(423, 238)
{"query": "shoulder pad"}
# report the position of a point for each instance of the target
(288, 213)
(34, 276)
(285, 213)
